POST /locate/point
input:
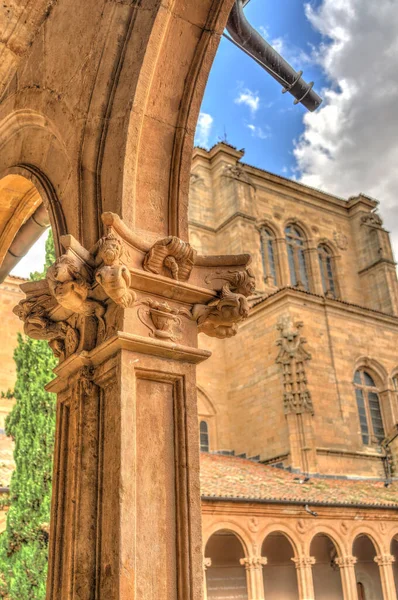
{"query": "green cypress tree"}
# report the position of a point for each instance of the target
(31, 424)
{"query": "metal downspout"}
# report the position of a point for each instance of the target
(251, 42)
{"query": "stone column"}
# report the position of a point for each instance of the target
(304, 577)
(254, 574)
(348, 578)
(385, 562)
(123, 320)
(206, 565)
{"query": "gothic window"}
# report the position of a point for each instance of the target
(204, 437)
(268, 256)
(297, 262)
(326, 264)
(368, 404)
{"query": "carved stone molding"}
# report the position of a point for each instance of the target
(220, 317)
(206, 563)
(372, 220)
(253, 525)
(237, 172)
(292, 358)
(384, 559)
(253, 562)
(304, 562)
(346, 561)
(341, 240)
(81, 302)
(162, 320)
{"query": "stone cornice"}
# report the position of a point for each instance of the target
(341, 306)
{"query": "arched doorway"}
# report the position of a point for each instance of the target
(394, 552)
(366, 570)
(225, 576)
(280, 575)
(325, 572)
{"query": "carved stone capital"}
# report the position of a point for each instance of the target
(346, 561)
(384, 559)
(304, 562)
(253, 562)
(82, 301)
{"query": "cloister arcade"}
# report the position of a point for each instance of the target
(250, 557)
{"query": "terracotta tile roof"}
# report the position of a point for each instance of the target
(226, 477)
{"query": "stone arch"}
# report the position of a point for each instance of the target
(305, 229)
(372, 535)
(31, 148)
(378, 372)
(394, 552)
(286, 531)
(169, 141)
(273, 227)
(224, 565)
(208, 413)
(329, 244)
(280, 574)
(326, 572)
(235, 528)
(365, 549)
(330, 533)
(207, 404)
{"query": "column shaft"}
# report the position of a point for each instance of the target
(385, 563)
(348, 578)
(254, 575)
(304, 577)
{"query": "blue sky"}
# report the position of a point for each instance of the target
(269, 128)
(350, 144)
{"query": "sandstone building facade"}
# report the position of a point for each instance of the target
(307, 389)
(298, 411)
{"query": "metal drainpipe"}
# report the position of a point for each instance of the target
(28, 234)
(251, 42)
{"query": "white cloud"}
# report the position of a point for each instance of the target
(260, 132)
(251, 99)
(350, 144)
(264, 31)
(203, 129)
(33, 260)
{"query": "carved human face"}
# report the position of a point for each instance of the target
(110, 251)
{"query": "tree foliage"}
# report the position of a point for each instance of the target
(31, 424)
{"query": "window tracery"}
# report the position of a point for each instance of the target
(204, 436)
(327, 268)
(368, 404)
(295, 242)
(268, 254)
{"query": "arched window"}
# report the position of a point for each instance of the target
(297, 263)
(268, 256)
(204, 437)
(326, 265)
(368, 404)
